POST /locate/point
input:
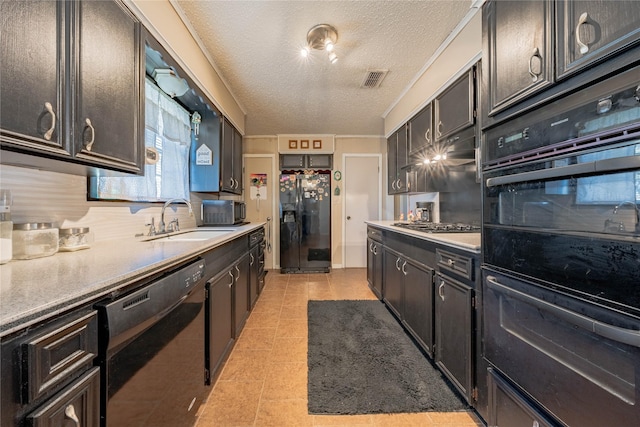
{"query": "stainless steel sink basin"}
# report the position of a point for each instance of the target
(190, 236)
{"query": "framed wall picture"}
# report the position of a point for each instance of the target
(304, 144)
(317, 144)
(293, 144)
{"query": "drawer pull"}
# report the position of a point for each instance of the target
(89, 126)
(583, 20)
(49, 133)
(70, 412)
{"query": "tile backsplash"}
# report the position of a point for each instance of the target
(42, 196)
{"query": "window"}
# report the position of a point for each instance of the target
(167, 133)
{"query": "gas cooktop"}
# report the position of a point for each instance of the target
(439, 227)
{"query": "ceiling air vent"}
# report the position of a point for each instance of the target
(373, 78)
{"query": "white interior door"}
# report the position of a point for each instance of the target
(260, 188)
(362, 202)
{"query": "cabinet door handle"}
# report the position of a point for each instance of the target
(427, 136)
(89, 126)
(70, 412)
(584, 19)
(238, 270)
(252, 259)
(49, 133)
(441, 290)
(371, 247)
(375, 249)
(536, 54)
(398, 264)
(231, 274)
(393, 185)
(399, 185)
(230, 182)
(403, 270)
(439, 129)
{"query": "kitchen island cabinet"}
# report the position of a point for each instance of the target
(72, 99)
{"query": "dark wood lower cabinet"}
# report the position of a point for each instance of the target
(393, 279)
(454, 326)
(418, 303)
(220, 321)
(78, 404)
(508, 407)
(374, 266)
(408, 292)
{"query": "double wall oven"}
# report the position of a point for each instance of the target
(561, 260)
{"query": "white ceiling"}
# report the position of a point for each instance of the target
(255, 46)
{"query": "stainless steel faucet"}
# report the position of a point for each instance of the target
(161, 226)
(635, 206)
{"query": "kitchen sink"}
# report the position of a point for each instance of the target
(190, 236)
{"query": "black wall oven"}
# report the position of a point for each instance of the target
(561, 255)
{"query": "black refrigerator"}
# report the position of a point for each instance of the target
(305, 222)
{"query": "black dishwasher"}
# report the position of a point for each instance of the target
(152, 352)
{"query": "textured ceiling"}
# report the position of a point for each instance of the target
(256, 48)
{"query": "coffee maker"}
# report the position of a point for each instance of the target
(424, 211)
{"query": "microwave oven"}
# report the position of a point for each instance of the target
(222, 212)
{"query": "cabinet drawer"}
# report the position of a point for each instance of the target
(374, 234)
(455, 263)
(78, 403)
(507, 407)
(54, 356)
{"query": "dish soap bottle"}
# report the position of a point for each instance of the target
(6, 227)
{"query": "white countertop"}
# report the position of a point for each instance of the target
(465, 241)
(33, 290)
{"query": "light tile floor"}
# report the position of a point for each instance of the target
(264, 381)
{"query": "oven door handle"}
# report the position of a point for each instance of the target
(606, 165)
(615, 333)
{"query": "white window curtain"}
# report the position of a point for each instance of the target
(168, 131)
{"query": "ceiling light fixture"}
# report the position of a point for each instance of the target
(322, 37)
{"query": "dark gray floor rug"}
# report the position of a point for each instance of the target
(361, 361)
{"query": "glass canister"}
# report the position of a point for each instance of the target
(73, 239)
(6, 227)
(34, 240)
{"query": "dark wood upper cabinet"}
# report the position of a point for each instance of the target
(231, 155)
(32, 87)
(108, 81)
(518, 46)
(73, 90)
(455, 107)
(397, 159)
(421, 136)
(591, 31)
